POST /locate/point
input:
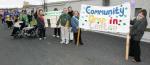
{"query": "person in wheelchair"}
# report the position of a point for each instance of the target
(17, 26)
(30, 31)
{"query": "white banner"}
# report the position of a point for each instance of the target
(53, 16)
(102, 18)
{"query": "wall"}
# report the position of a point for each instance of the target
(76, 5)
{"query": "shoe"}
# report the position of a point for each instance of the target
(67, 43)
(133, 60)
(131, 56)
(57, 36)
(62, 42)
(11, 35)
(40, 38)
(45, 38)
(71, 41)
(54, 35)
(81, 44)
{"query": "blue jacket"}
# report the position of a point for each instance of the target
(75, 23)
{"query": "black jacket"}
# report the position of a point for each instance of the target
(138, 28)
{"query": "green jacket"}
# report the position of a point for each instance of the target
(64, 19)
(24, 18)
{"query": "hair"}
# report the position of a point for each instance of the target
(69, 7)
(38, 12)
(143, 11)
(55, 9)
(32, 11)
(35, 14)
(77, 12)
(16, 20)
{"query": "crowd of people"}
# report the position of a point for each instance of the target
(68, 27)
(67, 24)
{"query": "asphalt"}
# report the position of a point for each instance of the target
(98, 49)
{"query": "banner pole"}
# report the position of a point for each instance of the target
(127, 47)
(78, 37)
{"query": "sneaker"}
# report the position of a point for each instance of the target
(40, 38)
(71, 41)
(62, 42)
(45, 38)
(11, 35)
(54, 35)
(67, 43)
(133, 60)
(57, 36)
(81, 43)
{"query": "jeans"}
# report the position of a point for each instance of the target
(42, 32)
(57, 31)
(134, 50)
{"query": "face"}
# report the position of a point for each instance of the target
(76, 13)
(69, 9)
(65, 10)
(140, 15)
(41, 12)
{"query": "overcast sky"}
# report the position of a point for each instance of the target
(19, 3)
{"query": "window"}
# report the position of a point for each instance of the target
(137, 11)
(106, 2)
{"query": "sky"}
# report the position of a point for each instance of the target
(19, 3)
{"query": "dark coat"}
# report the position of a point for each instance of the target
(70, 13)
(138, 28)
(40, 23)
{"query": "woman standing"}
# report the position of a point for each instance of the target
(139, 25)
(75, 27)
(41, 24)
(57, 29)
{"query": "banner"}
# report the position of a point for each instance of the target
(53, 16)
(109, 19)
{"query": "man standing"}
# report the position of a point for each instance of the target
(136, 33)
(70, 12)
(64, 21)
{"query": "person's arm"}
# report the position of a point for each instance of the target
(140, 28)
(59, 19)
(73, 23)
(132, 22)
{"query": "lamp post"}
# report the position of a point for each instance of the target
(44, 5)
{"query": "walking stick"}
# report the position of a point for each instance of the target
(78, 37)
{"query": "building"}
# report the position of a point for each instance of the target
(137, 5)
(76, 4)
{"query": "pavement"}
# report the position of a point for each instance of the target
(98, 49)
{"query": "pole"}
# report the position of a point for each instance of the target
(127, 47)
(78, 37)
(44, 5)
